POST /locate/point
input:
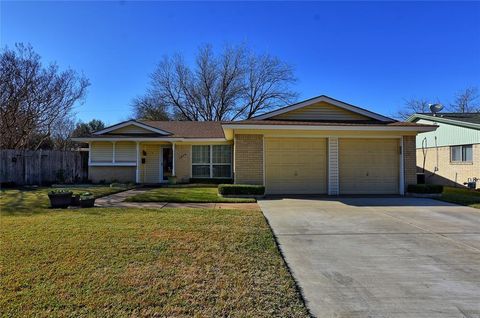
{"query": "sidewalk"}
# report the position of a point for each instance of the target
(118, 200)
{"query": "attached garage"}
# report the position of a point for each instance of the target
(296, 165)
(369, 166)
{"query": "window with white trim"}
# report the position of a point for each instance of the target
(462, 153)
(211, 161)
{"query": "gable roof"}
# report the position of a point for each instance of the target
(327, 99)
(469, 120)
(132, 123)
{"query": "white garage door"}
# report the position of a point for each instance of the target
(296, 165)
(369, 166)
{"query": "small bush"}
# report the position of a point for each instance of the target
(240, 189)
(425, 188)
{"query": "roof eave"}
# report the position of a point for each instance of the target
(415, 117)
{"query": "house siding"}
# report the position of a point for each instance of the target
(110, 174)
(320, 111)
(132, 129)
(409, 161)
(125, 151)
(101, 151)
(449, 174)
(248, 159)
(447, 135)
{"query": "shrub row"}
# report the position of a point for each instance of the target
(425, 188)
(211, 180)
(240, 189)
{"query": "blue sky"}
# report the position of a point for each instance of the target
(371, 54)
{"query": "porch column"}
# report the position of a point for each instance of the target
(402, 169)
(113, 151)
(173, 159)
(137, 170)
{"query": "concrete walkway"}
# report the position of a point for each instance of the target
(381, 257)
(117, 200)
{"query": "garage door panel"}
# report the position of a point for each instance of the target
(369, 166)
(295, 165)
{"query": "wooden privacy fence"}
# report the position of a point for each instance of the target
(27, 167)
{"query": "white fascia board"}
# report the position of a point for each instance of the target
(322, 128)
(131, 122)
(329, 100)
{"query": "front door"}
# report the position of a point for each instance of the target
(166, 163)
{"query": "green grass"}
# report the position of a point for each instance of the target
(185, 194)
(461, 196)
(114, 262)
(27, 200)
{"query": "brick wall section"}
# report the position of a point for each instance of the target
(448, 173)
(410, 161)
(248, 159)
(182, 162)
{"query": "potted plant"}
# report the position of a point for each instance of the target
(75, 200)
(87, 200)
(60, 198)
(172, 179)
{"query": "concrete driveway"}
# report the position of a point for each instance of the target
(381, 257)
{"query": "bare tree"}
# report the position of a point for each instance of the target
(148, 108)
(33, 97)
(62, 132)
(233, 84)
(412, 106)
(466, 101)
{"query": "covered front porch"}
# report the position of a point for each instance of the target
(149, 162)
(154, 161)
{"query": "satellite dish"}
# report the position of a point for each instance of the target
(435, 108)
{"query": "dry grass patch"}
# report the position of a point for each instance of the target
(135, 262)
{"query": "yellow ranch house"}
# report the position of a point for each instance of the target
(317, 146)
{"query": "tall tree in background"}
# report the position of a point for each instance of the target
(466, 101)
(149, 108)
(34, 97)
(232, 84)
(86, 129)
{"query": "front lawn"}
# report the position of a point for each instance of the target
(114, 262)
(185, 194)
(27, 199)
(461, 196)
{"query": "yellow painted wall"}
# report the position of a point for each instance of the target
(132, 129)
(101, 151)
(110, 174)
(125, 151)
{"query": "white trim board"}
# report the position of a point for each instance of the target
(326, 128)
(329, 100)
(134, 123)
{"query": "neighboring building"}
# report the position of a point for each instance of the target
(449, 155)
(318, 146)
